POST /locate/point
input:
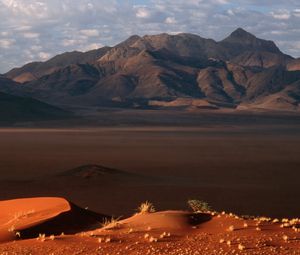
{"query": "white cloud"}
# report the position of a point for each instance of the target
(69, 42)
(281, 14)
(92, 46)
(4, 33)
(44, 55)
(90, 32)
(36, 48)
(170, 20)
(296, 12)
(142, 12)
(29, 28)
(6, 43)
(31, 35)
(37, 9)
(23, 28)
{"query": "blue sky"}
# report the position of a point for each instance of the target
(35, 30)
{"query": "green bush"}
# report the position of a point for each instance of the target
(198, 206)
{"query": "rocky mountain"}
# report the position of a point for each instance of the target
(294, 65)
(36, 70)
(183, 70)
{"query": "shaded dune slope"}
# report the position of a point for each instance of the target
(27, 218)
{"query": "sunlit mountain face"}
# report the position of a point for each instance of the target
(165, 71)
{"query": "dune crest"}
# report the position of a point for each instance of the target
(167, 220)
(28, 217)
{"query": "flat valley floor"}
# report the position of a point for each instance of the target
(244, 169)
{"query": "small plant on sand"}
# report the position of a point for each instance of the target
(199, 206)
(110, 223)
(146, 207)
(41, 237)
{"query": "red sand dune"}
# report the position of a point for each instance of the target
(31, 216)
(168, 232)
(167, 220)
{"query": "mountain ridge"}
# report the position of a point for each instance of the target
(238, 70)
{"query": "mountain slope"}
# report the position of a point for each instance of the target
(270, 81)
(261, 59)
(286, 99)
(35, 70)
(294, 65)
(16, 108)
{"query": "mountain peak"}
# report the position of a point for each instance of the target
(240, 33)
(240, 41)
(131, 40)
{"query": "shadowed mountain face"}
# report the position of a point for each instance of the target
(16, 108)
(239, 71)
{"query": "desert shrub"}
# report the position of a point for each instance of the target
(110, 223)
(146, 207)
(198, 205)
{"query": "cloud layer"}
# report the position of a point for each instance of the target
(34, 30)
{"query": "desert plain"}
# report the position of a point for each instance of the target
(246, 168)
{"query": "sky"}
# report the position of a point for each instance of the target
(38, 30)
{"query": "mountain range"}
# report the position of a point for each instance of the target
(182, 71)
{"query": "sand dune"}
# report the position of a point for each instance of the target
(165, 232)
(30, 216)
(166, 220)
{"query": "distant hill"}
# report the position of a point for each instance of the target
(162, 71)
(16, 108)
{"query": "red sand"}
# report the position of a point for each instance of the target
(168, 232)
(19, 214)
(28, 217)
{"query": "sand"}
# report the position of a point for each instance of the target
(28, 217)
(164, 232)
(19, 214)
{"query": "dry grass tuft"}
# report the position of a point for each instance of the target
(41, 237)
(146, 207)
(110, 223)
